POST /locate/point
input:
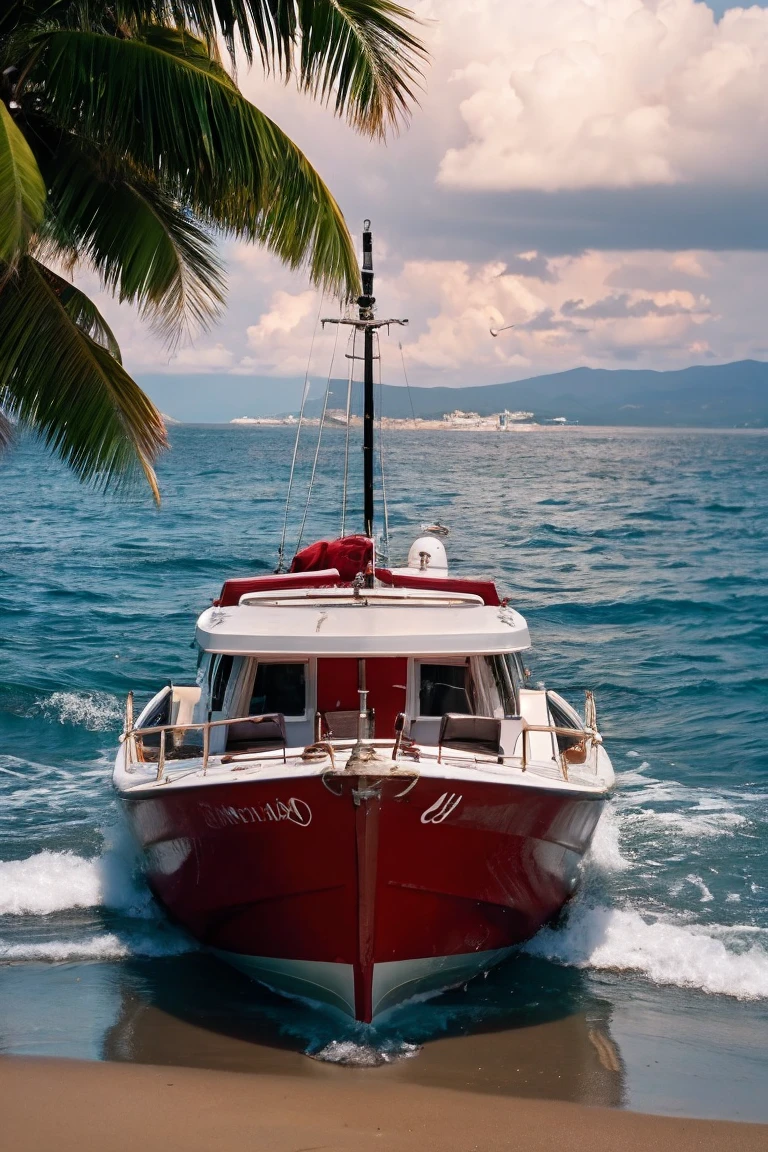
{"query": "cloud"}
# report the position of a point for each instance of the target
(532, 264)
(623, 305)
(487, 211)
(196, 359)
(285, 315)
(568, 94)
(567, 314)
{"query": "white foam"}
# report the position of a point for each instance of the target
(605, 852)
(695, 825)
(718, 959)
(106, 946)
(54, 881)
(697, 882)
(96, 711)
(364, 1055)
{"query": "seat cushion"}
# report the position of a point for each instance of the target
(470, 733)
(257, 731)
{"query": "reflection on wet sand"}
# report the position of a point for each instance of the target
(528, 1030)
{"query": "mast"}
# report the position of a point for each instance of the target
(366, 323)
(365, 304)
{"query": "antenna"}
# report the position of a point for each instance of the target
(365, 321)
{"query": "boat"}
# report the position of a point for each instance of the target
(362, 799)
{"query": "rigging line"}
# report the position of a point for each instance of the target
(319, 435)
(381, 454)
(407, 385)
(350, 374)
(304, 394)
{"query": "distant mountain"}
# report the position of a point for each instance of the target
(710, 396)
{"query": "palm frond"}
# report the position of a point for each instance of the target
(263, 27)
(6, 432)
(22, 191)
(82, 311)
(173, 109)
(359, 55)
(57, 380)
(147, 247)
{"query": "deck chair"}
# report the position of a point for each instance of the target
(488, 735)
(258, 734)
(343, 725)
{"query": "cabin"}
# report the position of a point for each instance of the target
(331, 654)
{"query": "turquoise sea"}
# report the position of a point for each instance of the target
(639, 559)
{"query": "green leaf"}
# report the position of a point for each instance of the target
(168, 105)
(147, 248)
(359, 55)
(82, 311)
(22, 191)
(57, 380)
(6, 431)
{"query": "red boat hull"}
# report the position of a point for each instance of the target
(357, 894)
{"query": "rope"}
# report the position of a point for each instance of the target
(319, 437)
(304, 394)
(407, 385)
(350, 375)
(381, 459)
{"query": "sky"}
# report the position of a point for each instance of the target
(594, 172)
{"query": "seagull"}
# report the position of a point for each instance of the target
(495, 331)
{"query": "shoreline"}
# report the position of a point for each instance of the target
(69, 1104)
(391, 425)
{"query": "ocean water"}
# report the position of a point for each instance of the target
(639, 560)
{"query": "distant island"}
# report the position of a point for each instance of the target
(455, 421)
(722, 395)
(709, 396)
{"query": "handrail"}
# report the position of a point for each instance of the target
(189, 727)
(582, 733)
(130, 734)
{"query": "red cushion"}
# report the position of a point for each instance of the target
(350, 554)
(486, 589)
(234, 589)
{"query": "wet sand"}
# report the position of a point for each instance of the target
(71, 1105)
(534, 1032)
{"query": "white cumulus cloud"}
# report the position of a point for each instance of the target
(563, 94)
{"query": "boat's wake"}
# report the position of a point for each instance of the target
(361, 1055)
(608, 926)
(731, 961)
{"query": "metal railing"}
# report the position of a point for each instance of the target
(130, 735)
(580, 734)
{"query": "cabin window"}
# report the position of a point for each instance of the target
(279, 688)
(221, 670)
(443, 688)
(491, 688)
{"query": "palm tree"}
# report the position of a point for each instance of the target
(127, 147)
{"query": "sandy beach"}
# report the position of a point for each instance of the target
(70, 1105)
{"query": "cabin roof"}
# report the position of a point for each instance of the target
(375, 622)
(234, 589)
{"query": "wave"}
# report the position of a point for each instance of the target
(55, 881)
(105, 946)
(356, 1055)
(715, 959)
(605, 853)
(604, 929)
(95, 711)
